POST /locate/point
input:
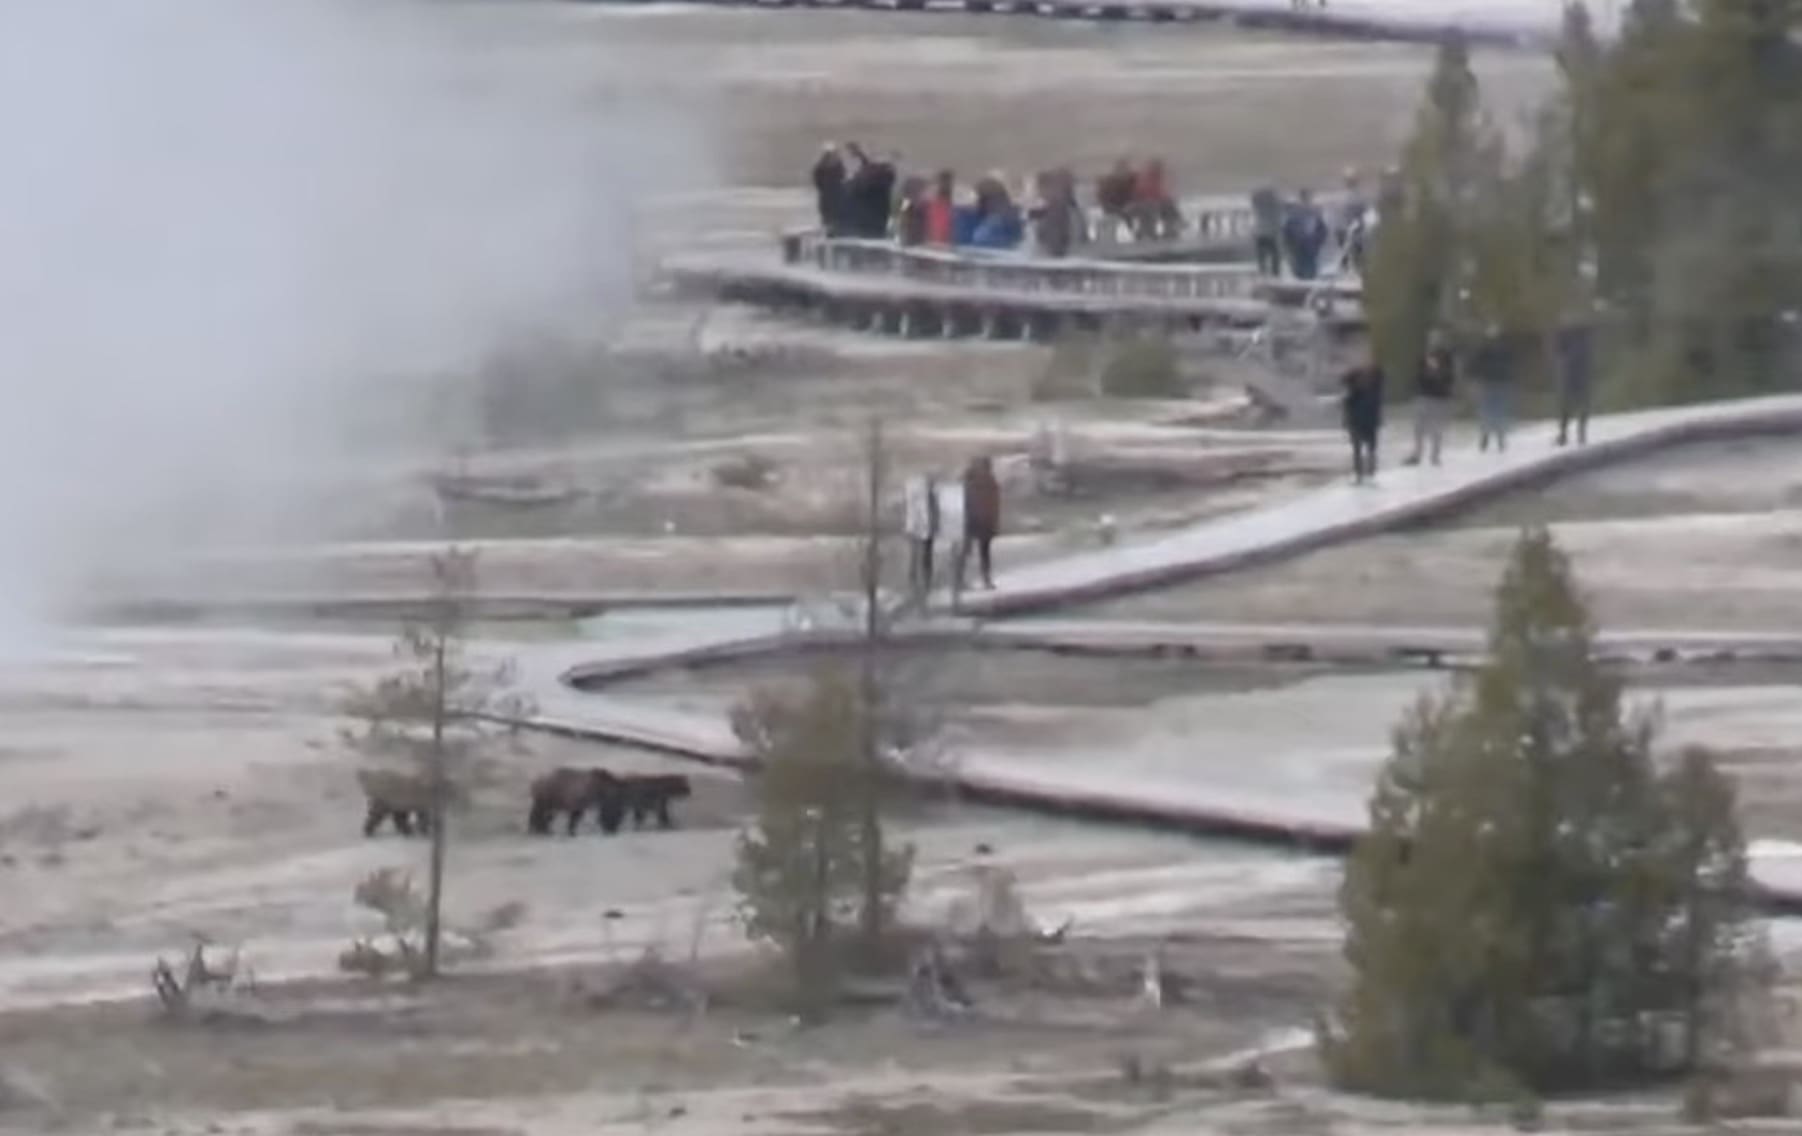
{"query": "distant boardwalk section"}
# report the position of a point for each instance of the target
(1503, 22)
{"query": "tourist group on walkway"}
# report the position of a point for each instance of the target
(1493, 366)
(963, 514)
(860, 196)
(1296, 233)
(867, 197)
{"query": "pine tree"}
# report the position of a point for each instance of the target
(440, 715)
(1568, 128)
(1534, 897)
(1416, 267)
(804, 864)
(1525, 244)
(1639, 124)
(1695, 166)
(1745, 185)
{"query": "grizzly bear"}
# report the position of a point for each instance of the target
(652, 793)
(405, 798)
(573, 792)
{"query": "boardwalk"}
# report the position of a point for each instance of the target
(994, 304)
(1328, 819)
(1496, 22)
(878, 285)
(1401, 496)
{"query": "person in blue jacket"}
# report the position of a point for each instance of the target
(1304, 235)
(996, 222)
(1001, 228)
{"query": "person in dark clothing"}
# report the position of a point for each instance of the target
(1493, 368)
(857, 181)
(1576, 380)
(982, 519)
(1267, 227)
(910, 223)
(1304, 235)
(1362, 404)
(879, 189)
(869, 195)
(1058, 222)
(1433, 388)
(829, 190)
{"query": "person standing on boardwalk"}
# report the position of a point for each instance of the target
(920, 507)
(829, 190)
(879, 178)
(869, 195)
(982, 519)
(1433, 388)
(1114, 196)
(1267, 229)
(1493, 369)
(1576, 380)
(949, 496)
(1362, 405)
(1155, 213)
(1058, 223)
(1348, 222)
(910, 220)
(1304, 235)
(941, 211)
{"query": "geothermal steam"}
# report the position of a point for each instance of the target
(226, 226)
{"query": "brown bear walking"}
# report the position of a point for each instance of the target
(403, 798)
(648, 794)
(573, 792)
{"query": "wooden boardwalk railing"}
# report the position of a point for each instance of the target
(1009, 272)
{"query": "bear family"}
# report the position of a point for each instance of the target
(404, 799)
(572, 792)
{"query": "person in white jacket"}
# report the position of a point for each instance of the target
(920, 505)
(950, 497)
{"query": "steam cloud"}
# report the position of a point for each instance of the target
(225, 224)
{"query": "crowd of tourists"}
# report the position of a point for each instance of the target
(1494, 364)
(962, 515)
(858, 195)
(862, 196)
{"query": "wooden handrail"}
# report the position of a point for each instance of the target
(999, 271)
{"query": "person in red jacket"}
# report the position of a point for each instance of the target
(1154, 211)
(1114, 195)
(941, 211)
(982, 518)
